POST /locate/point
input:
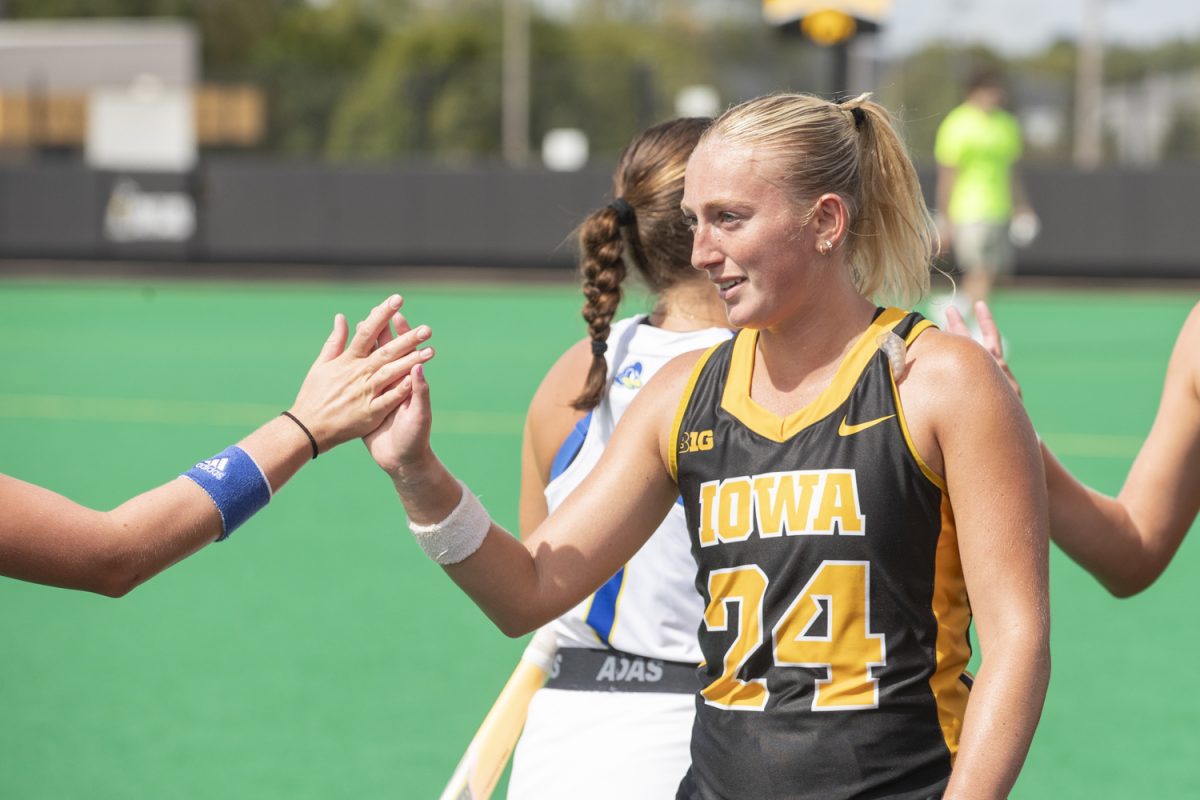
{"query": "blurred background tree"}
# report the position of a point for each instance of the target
(382, 80)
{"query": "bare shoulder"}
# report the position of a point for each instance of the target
(657, 404)
(950, 367)
(1181, 389)
(552, 414)
(1192, 326)
(1186, 356)
(951, 384)
(668, 383)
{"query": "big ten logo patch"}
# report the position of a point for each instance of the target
(695, 441)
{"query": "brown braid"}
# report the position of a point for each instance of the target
(603, 269)
(649, 177)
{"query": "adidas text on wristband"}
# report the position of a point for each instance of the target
(236, 485)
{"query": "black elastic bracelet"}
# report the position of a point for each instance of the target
(307, 432)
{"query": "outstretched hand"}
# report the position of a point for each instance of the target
(350, 391)
(990, 334)
(400, 446)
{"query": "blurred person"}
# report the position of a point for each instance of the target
(1127, 541)
(817, 454)
(47, 538)
(626, 672)
(982, 204)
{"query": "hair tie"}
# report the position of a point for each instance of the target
(625, 212)
(599, 346)
(859, 115)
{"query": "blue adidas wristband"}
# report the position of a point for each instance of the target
(236, 485)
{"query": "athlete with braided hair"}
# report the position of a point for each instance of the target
(627, 655)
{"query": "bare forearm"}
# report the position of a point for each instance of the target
(145, 535)
(503, 579)
(428, 491)
(1006, 703)
(1097, 532)
(501, 576)
(47, 538)
(280, 449)
(522, 584)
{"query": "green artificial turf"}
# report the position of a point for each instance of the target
(318, 654)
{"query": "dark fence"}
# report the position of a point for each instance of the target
(1110, 223)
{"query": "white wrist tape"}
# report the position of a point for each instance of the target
(458, 535)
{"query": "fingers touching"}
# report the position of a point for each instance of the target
(368, 332)
(337, 339)
(398, 370)
(352, 387)
(400, 345)
(413, 389)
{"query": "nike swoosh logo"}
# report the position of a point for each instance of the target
(850, 430)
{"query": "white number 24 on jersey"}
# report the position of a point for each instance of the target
(847, 649)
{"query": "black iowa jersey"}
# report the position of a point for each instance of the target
(835, 634)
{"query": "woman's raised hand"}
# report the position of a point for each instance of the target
(400, 445)
(350, 391)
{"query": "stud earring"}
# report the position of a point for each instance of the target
(824, 247)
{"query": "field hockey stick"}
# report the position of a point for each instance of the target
(481, 766)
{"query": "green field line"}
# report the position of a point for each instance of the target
(65, 408)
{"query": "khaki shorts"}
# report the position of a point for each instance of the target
(984, 247)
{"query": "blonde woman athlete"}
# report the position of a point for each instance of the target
(846, 524)
(625, 672)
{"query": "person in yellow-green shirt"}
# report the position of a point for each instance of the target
(982, 206)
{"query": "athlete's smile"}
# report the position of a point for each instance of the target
(727, 285)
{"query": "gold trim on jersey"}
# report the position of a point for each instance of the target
(951, 606)
(952, 610)
(737, 400)
(926, 470)
(673, 456)
(917, 330)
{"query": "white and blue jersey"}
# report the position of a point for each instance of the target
(615, 718)
(651, 606)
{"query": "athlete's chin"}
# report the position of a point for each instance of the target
(743, 315)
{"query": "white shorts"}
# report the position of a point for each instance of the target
(603, 745)
(984, 247)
